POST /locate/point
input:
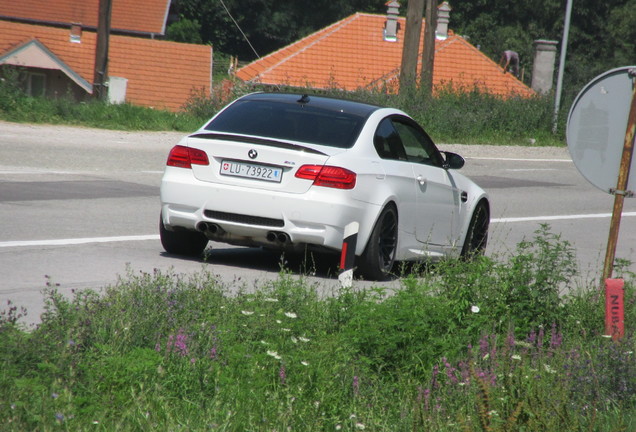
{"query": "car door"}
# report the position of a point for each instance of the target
(437, 199)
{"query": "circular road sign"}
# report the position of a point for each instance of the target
(596, 128)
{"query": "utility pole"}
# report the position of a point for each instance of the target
(100, 76)
(428, 58)
(410, 49)
(564, 49)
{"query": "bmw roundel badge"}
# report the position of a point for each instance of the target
(252, 154)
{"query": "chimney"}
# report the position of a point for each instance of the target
(391, 25)
(76, 33)
(543, 68)
(443, 17)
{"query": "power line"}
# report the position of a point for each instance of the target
(239, 27)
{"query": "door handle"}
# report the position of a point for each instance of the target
(421, 180)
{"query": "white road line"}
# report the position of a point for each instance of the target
(531, 169)
(77, 241)
(80, 241)
(519, 159)
(561, 217)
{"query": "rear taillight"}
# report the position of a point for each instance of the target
(185, 157)
(328, 176)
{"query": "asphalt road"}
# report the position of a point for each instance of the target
(79, 208)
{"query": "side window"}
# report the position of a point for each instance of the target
(418, 146)
(387, 141)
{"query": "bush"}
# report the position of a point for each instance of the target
(481, 345)
(452, 116)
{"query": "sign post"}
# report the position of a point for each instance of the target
(614, 308)
(621, 188)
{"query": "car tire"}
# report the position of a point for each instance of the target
(376, 262)
(477, 234)
(188, 243)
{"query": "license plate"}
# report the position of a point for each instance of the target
(253, 171)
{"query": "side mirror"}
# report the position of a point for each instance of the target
(453, 160)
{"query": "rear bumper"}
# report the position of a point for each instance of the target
(246, 216)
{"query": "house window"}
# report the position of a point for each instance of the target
(36, 84)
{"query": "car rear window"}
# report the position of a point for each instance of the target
(289, 121)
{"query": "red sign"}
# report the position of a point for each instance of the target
(614, 308)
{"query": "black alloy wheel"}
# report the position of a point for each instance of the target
(376, 262)
(182, 242)
(477, 234)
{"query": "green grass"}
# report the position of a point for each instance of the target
(466, 117)
(487, 345)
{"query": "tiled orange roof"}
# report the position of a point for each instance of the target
(352, 54)
(146, 16)
(160, 74)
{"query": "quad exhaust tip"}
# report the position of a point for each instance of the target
(277, 236)
(208, 227)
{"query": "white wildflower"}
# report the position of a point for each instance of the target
(274, 354)
(516, 357)
(548, 369)
(279, 322)
(474, 309)
(303, 339)
(360, 426)
(245, 312)
(294, 340)
(270, 300)
(291, 315)
(285, 329)
(304, 363)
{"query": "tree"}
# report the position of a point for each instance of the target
(248, 28)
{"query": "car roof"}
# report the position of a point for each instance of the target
(360, 109)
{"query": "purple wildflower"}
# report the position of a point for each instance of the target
(540, 338)
(510, 341)
(483, 346)
(170, 340)
(356, 385)
(434, 383)
(557, 338)
(450, 371)
(180, 343)
(282, 375)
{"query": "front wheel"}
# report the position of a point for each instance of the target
(378, 257)
(477, 234)
(188, 243)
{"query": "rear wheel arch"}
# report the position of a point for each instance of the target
(378, 257)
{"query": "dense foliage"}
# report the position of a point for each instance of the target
(508, 344)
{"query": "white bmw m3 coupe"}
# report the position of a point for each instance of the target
(288, 171)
